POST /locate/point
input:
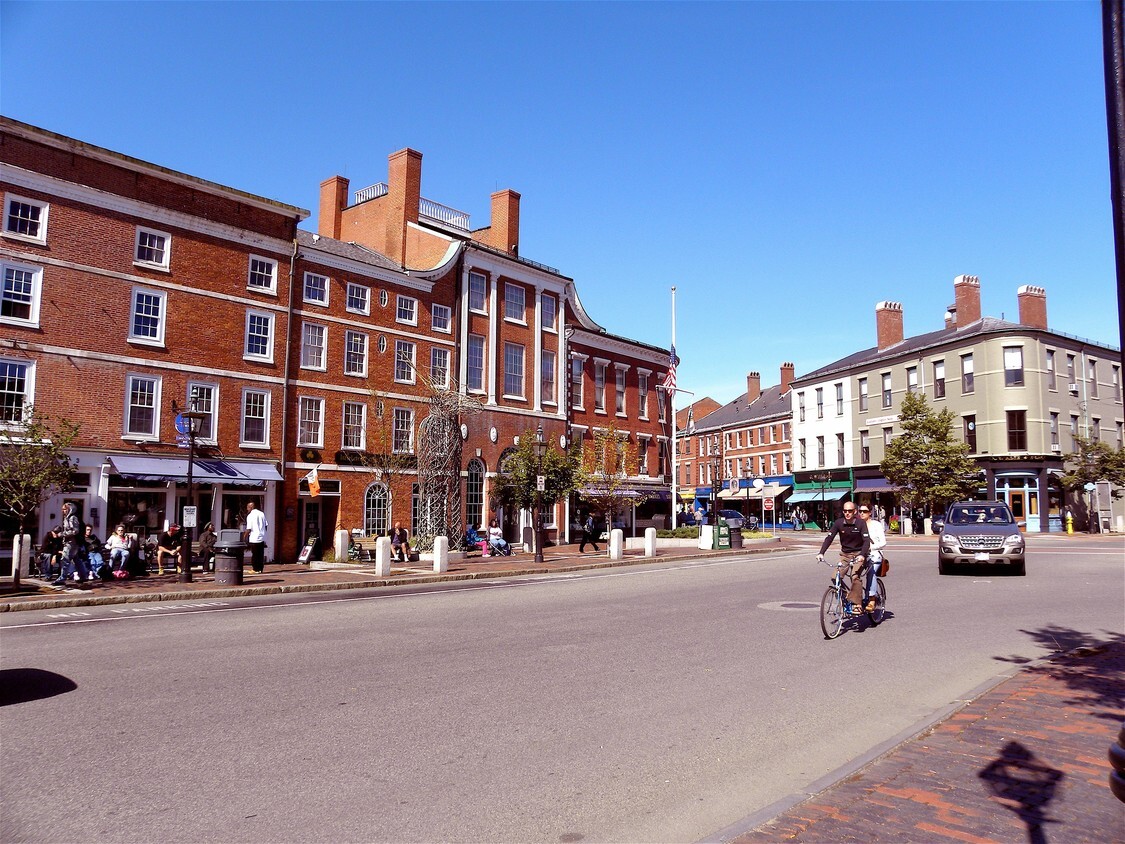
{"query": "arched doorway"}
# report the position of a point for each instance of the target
(474, 494)
(376, 510)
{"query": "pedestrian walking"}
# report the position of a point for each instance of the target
(589, 534)
(256, 527)
(74, 546)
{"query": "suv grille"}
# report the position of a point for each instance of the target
(981, 543)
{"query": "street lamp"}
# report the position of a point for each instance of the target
(188, 422)
(540, 449)
(823, 478)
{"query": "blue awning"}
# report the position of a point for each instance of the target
(873, 485)
(204, 470)
(826, 495)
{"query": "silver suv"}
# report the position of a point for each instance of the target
(980, 533)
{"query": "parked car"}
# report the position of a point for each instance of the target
(732, 518)
(980, 533)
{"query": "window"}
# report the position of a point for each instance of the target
(576, 365)
(441, 319)
(662, 404)
(1055, 445)
(773, 464)
(255, 418)
(1051, 383)
(25, 218)
(1074, 433)
(439, 367)
(1013, 366)
(642, 455)
(262, 275)
(314, 339)
(402, 431)
(355, 426)
(547, 378)
(383, 298)
(839, 449)
(474, 357)
(1120, 433)
(969, 424)
(146, 325)
(819, 402)
(152, 248)
(359, 299)
(20, 297)
(406, 310)
(376, 510)
(803, 454)
(599, 386)
(839, 399)
(474, 493)
(911, 379)
(1017, 430)
(619, 403)
(16, 380)
(478, 288)
(1096, 429)
(1092, 375)
(800, 407)
(939, 379)
(820, 451)
(888, 435)
(1116, 383)
(1070, 370)
(863, 394)
(355, 353)
(316, 289)
(513, 370)
(864, 447)
(886, 389)
(404, 362)
(310, 421)
(514, 302)
(550, 311)
(967, 373)
(204, 396)
(785, 432)
(642, 394)
(142, 406)
(259, 336)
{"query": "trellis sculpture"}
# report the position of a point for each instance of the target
(439, 468)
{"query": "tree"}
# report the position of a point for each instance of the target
(606, 470)
(515, 484)
(925, 463)
(34, 466)
(1094, 461)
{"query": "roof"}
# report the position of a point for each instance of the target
(771, 404)
(351, 251)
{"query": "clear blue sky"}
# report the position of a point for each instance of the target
(785, 165)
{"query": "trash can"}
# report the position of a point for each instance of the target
(736, 537)
(228, 558)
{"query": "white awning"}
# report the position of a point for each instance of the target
(204, 470)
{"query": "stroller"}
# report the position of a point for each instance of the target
(499, 548)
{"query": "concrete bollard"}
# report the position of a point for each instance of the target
(616, 544)
(441, 554)
(341, 546)
(21, 555)
(383, 556)
(650, 542)
(527, 538)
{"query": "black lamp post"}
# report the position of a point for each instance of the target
(823, 478)
(188, 422)
(540, 449)
(716, 485)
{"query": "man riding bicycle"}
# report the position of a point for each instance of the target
(855, 546)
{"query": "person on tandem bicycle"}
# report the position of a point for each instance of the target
(855, 547)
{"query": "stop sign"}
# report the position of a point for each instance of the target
(767, 503)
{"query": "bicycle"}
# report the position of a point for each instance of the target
(836, 609)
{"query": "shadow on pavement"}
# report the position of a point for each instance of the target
(1024, 786)
(20, 685)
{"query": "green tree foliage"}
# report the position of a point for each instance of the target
(925, 463)
(515, 485)
(1094, 461)
(606, 468)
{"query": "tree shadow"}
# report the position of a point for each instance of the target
(1024, 786)
(21, 685)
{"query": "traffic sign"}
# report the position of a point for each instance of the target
(767, 503)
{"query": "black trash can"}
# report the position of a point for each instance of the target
(735, 537)
(228, 564)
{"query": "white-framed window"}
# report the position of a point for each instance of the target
(662, 404)
(1052, 382)
(839, 450)
(359, 299)
(142, 406)
(316, 289)
(1092, 375)
(406, 309)
(642, 455)
(820, 452)
(513, 370)
(911, 379)
(255, 425)
(864, 447)
(1013, 366)
(314, 345)
(355, 353)
(259, 336)
(642, 394)
(547, 377)
(474, 357)
(441, 318)
(800, 407)
(967, 376)
(381, 344)
(262, 274)
(515, 302)
(819, 402)
(478, 292)
(862, 395)
(25, 218)
(839, 399)
(802, 453)
(152, 248)
(19, 300)
(384, 298)
(439, 367)
(310, 421)
(404, 361)
(939, 379)
(205, 399)
(599, 386)
(147, 317)
(550, 311)
(402, 431)
(619, 399)
(355, 426)
(577, 364)
(886, 389)
(17, 389)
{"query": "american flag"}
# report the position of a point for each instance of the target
(670, 379)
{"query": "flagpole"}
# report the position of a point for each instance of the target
(672, 404)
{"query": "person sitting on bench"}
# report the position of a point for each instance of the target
(400, 542)
(168, 546)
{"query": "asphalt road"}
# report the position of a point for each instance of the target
(657, 703)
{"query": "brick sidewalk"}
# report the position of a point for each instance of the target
(1026, 761)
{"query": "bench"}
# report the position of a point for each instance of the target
(366, 547)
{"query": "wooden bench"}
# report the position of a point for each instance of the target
(366, 547)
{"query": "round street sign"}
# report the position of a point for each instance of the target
(182, 424)
(767, 503)
(1089, 487)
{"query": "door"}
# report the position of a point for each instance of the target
(1017, 501)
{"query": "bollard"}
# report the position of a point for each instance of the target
(1070, 524)
(441, 554)
(340, 545)
(650, 542)
(616, 544)
(383, 556)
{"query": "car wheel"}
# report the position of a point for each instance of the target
(1019, 569)
(944, 567)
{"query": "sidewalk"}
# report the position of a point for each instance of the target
(1024, 761)
(35, 594)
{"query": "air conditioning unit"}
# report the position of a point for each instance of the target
(1073, 389)
(1055, 447)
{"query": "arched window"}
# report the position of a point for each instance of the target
(474, 494)
(376, 510)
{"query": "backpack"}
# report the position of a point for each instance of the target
(589, 526)
(884, 567)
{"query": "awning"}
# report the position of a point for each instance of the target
(873, 485)
(768, 491)
(827, 495)
(204, 470)
(601, 492)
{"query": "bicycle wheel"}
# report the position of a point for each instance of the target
(832, 612)
(880, 604)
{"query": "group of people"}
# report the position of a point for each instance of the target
(862, 541)
(492, 543)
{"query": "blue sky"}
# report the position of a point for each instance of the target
(784, 165)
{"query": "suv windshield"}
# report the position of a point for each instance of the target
(980, 515)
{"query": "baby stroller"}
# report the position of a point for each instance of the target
(496, 549)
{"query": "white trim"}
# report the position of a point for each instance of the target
(164, 265)
(399, 300)
(327, 289)
(319, 441)
(242, 441)
(323, 367)
(154, 436)
(44, 209)
(32, 320)
(29, 388)
(273, 262)
(162, 319)
(246, 355)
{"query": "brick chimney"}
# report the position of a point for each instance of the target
(753, 386)
(888, 324)
(1033, 306)
(966, 295)
(786, 377)
(505, 233)
(333, 201)
(404, 193)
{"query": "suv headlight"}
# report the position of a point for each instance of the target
(948, 543)
(1014, 542)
